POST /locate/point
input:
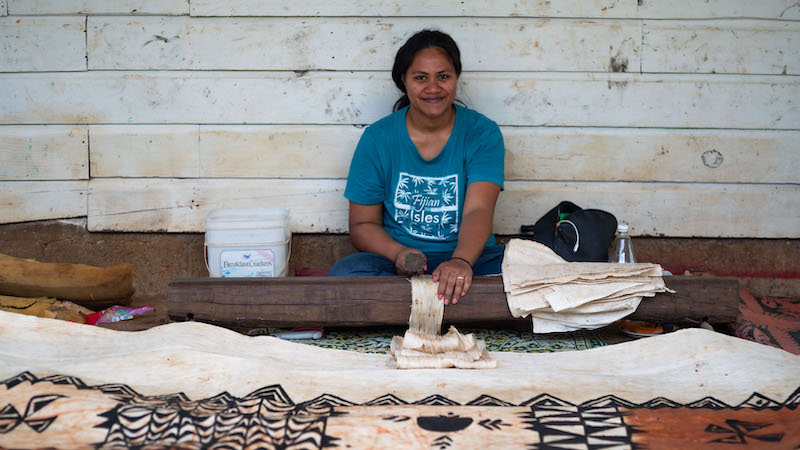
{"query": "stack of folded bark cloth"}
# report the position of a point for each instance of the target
(567, 296)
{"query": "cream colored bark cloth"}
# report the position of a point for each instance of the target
(202, 361)
(191, 385)
(567, 296)
(423, 346)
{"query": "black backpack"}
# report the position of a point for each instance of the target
(575, 234)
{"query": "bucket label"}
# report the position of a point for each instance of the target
(247, 263)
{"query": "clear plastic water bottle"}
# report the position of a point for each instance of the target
(621, 250)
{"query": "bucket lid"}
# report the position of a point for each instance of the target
(235, 214)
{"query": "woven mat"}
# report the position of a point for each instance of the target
(377, 341)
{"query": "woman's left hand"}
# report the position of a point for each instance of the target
(455, 278)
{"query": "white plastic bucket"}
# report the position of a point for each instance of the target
(247, 242)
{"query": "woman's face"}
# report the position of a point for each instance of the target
(431, 82)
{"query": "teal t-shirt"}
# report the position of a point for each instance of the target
(423, 200)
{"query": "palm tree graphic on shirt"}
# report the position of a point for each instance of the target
(427, 207)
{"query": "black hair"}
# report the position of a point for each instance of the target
(420, 41)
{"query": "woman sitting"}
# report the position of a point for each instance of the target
(425, 179)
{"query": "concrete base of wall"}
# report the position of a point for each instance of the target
(766, 266)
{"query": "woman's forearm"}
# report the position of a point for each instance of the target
(373, 238)
(476, 227)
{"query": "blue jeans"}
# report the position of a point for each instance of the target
(370, 264)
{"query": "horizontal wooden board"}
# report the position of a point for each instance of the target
(660, 209)
(532, 153)
(37, 44)
(507, 44)
(209, 151)
(626, 154)
(722, 46)
(195, 97)
(411, 8)
(144, 150)
(23, 201)
(617, 99)
(663, 209)
(318, 206)
(691, 9)
(54, 152)
(251, 151)
(144, 205)
(374, 301)
(691, 101)
(162, 7)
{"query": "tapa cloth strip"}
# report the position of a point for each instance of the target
(202, 360)
(423, 346)
(566, 296)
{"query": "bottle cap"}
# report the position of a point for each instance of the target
(622, 228)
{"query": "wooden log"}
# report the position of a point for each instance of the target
(85, 285)
(45, 307)
(370, 301)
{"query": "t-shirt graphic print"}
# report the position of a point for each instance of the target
(427, 207)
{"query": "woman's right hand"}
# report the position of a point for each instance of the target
(400, 262)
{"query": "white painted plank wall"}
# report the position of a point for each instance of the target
(46, 152)
(294, 151)
(38, 44)
(127, 7)
(664, 209)
(532, 153)
(183, 43)
(520, 98)
(666, 155)
(711, 210)
(658, 9)
(693, 9)
(416, 8)
(24, 201)
(722, 46)
(317, 206)
(186, 114)
(145, 151)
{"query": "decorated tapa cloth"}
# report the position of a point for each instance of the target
(772, 321)
(565, 296)
(67, 385)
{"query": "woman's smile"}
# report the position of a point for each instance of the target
(431, 84)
